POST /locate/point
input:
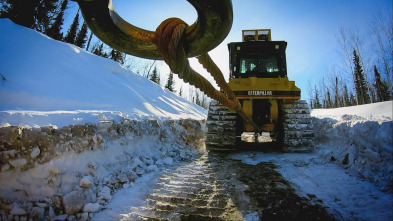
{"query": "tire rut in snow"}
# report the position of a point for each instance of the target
(190, 192)
(275, 197)
(217, 187)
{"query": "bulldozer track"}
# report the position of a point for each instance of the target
(297, 129)
(221, 127)
(297, 126)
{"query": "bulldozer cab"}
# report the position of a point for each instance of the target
(257, 56)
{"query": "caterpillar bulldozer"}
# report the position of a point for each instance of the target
(266, 104)
(258, 78)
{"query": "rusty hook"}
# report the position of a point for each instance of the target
(212, 26)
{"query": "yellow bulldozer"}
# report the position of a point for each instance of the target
(258, 103)
(258, 78)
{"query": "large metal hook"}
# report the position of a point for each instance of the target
(213, 25)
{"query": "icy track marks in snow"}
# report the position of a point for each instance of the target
(351, 169)
(347, 197)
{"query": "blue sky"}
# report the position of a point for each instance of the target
(310, 27)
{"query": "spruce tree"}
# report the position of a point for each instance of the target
(117, 56)
(81, 36)
(372, 94)
(155, 76)
(71, 33)
(336, 97)
(181, 92)
(99, 50)
(360, 81)
(345, 95)
(54, 31)
(45, 14)
(197, 100)
(352, 99)
(88, 42)
(329, 100)
(21, 12)
(36, 14)
(170, 83)
(317, 102)
(381, 87)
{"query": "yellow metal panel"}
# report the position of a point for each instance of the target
(269, 85)
(247, 108)
(273, 111)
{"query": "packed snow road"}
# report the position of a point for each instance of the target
(250, 186)
(216, 186)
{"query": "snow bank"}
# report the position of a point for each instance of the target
(48, 81)
(75, 128)
(75, 170)
(381, 111)
(351, 168)
(359, 139)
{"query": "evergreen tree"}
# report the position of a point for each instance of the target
(45, 14)
(81, 36)
(99, 50)
(21, 12)
(372, 93)
(71, 33)
(181, 92)
(329, 100)
(345, 95)
(54, 31)
(117, 56)
(155, 76)
(197, 100)
(170, 83)
(381, 87)
(352, 99)
(88, 42)
(317, 103)
(37, 14)
(360, 81)
(336, 97)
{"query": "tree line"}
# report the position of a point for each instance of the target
(47, 17)
(363, 76)
(194, 94)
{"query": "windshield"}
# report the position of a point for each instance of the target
(258, 64)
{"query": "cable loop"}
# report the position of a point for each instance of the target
(169, 38)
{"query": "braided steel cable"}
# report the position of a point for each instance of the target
(169, 40)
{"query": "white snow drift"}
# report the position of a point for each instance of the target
(76, 127)
(51, 82)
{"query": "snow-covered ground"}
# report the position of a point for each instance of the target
(79, 133)
(351, 170)
(76, 127)
(51, 82)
